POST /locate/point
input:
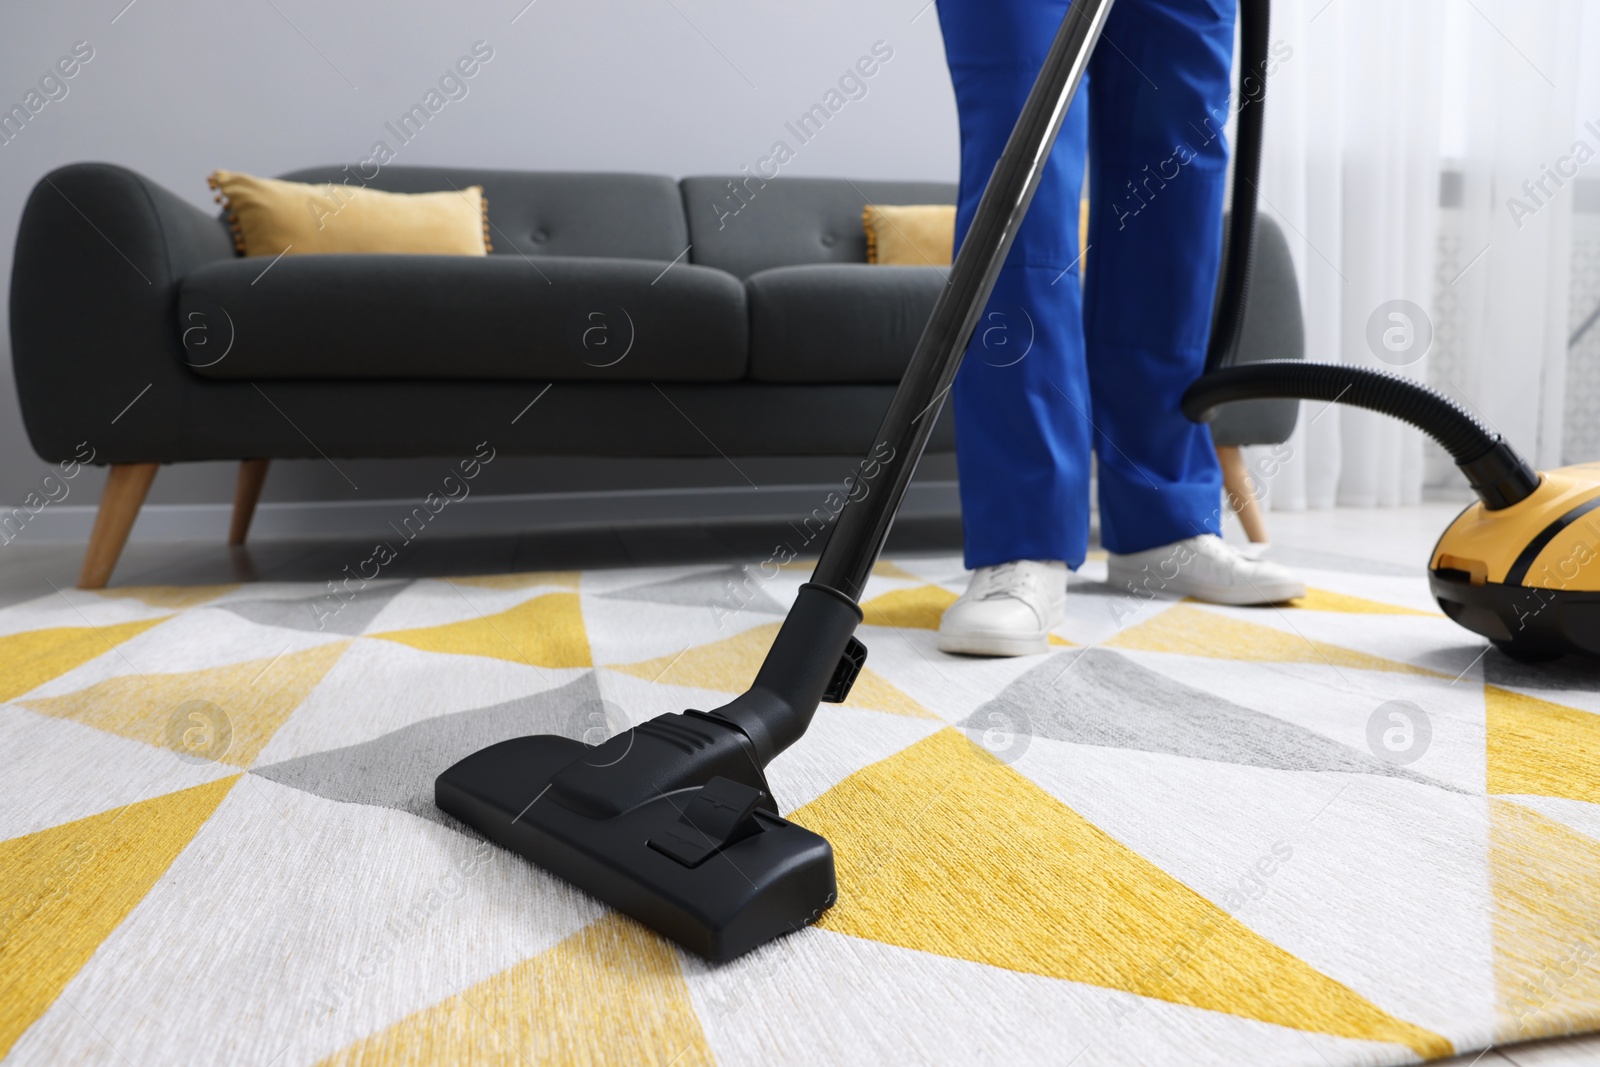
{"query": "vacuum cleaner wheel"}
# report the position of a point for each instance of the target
(1525, 654)
(1527, 623)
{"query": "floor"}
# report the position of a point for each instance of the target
(32, 570)
(1402, 536)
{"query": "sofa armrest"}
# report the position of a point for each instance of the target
(100, 251)
(1273, 328)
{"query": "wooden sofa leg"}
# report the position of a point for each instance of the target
(124, 494)
(246, 491)
(1241, 493)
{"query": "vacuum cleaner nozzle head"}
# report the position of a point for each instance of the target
(670, 822)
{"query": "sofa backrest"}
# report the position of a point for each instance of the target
(742, 224)
(551, 213)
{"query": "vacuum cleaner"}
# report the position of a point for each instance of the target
(673, 823)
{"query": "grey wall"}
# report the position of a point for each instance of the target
(178, 88)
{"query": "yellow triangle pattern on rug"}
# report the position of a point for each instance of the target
(1538, 747)
(546, 631)
(1546, 880)
(1192, 631)
(944, 849)
(874, 692)
(730, 665)
(235, 709)
(168, 596)
(1328, 600)
(66, 888)
(918, 608)
(612, 993)
(525, 580)
(33, 657)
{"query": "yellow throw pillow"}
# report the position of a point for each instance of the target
(270, 217)
(924, 234)
(914, 235)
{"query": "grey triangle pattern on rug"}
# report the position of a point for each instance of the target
(324, 613)
(732, 587)
(1095, 696)
(397, 770)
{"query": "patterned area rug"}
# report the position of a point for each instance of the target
(1332, 833)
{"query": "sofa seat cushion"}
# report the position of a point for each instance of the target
(408, 317)
(838, 322)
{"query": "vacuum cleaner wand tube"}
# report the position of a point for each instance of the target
(673, 821)
(817, 634)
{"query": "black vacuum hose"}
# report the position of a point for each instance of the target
(1254, 30)
(1498, 474)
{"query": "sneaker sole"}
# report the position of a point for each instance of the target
(994, 644)
(1228, 595)
(1248, 597)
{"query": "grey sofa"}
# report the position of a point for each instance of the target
(712, 315)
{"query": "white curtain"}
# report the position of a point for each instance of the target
(1380, 106)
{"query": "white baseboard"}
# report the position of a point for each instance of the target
(517, 513)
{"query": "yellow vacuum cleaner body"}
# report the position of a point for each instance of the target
(1527, 576)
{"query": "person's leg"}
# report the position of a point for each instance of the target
(1158, 169)
(1022, 446)
(1022, 440)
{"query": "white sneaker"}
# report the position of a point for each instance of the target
(1206, 568)
(1007, 610)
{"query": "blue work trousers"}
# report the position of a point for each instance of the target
(1056, 367)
